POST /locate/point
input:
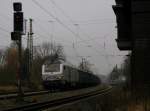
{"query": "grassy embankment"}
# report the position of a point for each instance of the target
(124, 100)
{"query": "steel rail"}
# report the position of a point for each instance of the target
(14, 95)
(58, 102)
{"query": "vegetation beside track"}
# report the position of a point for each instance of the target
(124, 100)
(49, 96)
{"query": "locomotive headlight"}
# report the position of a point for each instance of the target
(59, 77)
(43, 77)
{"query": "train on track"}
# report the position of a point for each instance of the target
(63, 76)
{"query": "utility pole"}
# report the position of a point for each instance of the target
(77, 33)
(31, 42)
(52, 35)
(52, 29)
(30, 49)
(20, 94)
(28, 59)
(83, 64)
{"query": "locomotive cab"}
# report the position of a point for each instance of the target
(52, 75)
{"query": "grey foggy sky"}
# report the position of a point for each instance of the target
(96, 28)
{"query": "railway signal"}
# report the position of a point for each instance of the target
(16, 36)
(17, 6)
(18, 21)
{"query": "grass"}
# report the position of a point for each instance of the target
(122, 100)
(7, 89)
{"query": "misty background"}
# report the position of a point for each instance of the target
(85, 28)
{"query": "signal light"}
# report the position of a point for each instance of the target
(17, 6)
(18, 21)
(15, 35)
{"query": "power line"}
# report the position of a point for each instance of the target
(82, 22)
(106, 57)
(40, 35)
(75, 50)
(47, 33)
(4, 30)
(62, 11)
(96, 20)
(59, 21)
(68, 17)
(41, 27)
(65, 15)
(97, 23)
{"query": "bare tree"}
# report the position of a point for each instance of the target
(85, 65)
(8, 68)
(1, 57)
(45, 53)
(50, 51)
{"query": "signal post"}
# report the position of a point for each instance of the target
(16, 36)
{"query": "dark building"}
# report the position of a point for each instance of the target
(133, 23)
(122, 10)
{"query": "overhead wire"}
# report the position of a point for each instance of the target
(97, 23)
(77, 22)
(50, 14)
(106, 54)
(47, 33)
(68, 17)
(76, 52)
(53, 2)
(62, 11)
(59, 21)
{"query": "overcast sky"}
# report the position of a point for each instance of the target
(86, 28)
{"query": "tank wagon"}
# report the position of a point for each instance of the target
(63, 76)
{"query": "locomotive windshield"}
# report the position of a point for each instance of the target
(52, 68)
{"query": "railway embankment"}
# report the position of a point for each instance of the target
(122, 99)
(118, 99)
(9, 103)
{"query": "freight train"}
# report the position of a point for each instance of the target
(63, 76)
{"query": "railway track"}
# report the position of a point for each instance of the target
(58, 102)
(14, 95)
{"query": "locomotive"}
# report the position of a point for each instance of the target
(63, 76)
